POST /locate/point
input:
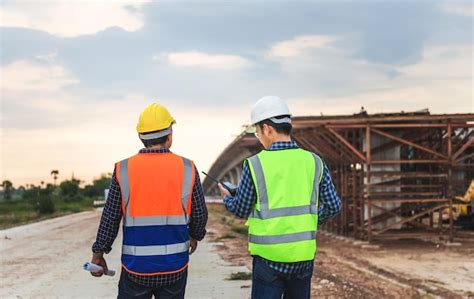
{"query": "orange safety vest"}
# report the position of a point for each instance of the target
(156, 205)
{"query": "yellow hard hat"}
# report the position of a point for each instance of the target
(155, 117)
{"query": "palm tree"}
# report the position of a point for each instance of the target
(55, 174)
(7, 189)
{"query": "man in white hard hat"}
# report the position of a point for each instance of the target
(279, 192)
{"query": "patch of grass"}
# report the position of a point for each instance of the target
(19, 218)
(240, 276)
(417, 295)
(226, 236)
(428, 291)
(227, 220)
(75, 207)
(21, 212)
(16, 218)
(435, 281)
(15, 206)
(240, 229)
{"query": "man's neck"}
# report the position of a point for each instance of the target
(282, 138)
(158, 146)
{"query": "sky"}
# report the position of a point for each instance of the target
(75, 75)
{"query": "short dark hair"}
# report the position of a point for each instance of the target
(284, 128)
(151, 142)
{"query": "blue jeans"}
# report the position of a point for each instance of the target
(127, 288)
(268, 283)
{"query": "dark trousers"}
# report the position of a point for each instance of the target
(268, 283)
(127, 288)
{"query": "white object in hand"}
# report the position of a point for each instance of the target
(96, 268)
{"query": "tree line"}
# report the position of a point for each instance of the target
(44, 195)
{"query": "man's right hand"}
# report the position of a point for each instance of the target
(98, 259)
(193, 244)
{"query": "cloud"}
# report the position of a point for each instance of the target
(441, 82)
(442, 62)
(36, 94)
(199, 59)
(395, 99)
(325, 65)
(459, 8)
(25, 76)
(299, 44)
(72, 18)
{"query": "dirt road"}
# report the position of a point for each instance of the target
(44, 260)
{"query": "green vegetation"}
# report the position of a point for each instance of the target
(54, 174)
(21, 212)
(98, 186)
(239, 228)
(227, 236)
(7, 190)
(34, 203)
(45, 205)
(240, 276)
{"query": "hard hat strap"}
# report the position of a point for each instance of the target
(285, 120)
(156, 135)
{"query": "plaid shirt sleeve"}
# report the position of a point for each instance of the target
(329, 201)
(242, 203)
(197, 225)
(110, 220)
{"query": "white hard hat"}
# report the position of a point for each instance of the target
(269, 107)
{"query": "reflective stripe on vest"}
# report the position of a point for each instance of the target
(265, 212)
(286, 238)
(155, 220)
(155, 249)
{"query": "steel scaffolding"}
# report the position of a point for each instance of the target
(396, 174)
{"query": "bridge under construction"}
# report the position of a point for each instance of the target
(397, 174)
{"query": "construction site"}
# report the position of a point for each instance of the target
(405, 181)
(405, 229)
(237, 149)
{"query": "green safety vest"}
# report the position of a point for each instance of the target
(284, 221)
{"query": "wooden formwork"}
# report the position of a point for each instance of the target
(396, 174)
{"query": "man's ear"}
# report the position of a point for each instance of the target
(269, 129)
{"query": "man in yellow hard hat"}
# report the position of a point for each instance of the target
(159, 196)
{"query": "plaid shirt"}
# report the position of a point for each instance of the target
(112, 215)
(243, 202)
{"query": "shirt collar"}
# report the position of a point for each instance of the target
(280, 145)
(154, 150)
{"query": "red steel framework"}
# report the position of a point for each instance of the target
(396, 174)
